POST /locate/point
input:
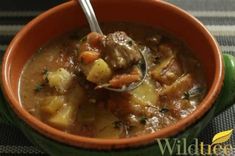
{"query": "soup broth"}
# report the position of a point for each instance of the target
(54, 89)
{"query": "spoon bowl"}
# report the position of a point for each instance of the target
(94, 26)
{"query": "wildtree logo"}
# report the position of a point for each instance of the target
(180, 146)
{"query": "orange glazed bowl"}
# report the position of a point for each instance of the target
(68, 17)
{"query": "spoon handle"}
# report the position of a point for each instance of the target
(90, 15)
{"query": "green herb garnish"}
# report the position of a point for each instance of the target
(38, 88)
(84, 39)
(45, 71)
(194, 92)
(186, 95)
(130, 43)
(45, 76)
(164, 110)
(143, 120)
(117, 124)
(157, 59)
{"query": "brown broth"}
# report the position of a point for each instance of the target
(171, 95)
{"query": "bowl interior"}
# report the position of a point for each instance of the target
(71, 17)
(68, 17)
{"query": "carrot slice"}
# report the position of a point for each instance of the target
(89, 56)
(94, 39)
(122, 80)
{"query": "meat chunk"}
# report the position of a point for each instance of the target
(120, 51)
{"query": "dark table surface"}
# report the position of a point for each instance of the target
(217, 15)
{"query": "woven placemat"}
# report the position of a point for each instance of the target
(217, 15)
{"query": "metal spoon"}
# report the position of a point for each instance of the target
(94, 26)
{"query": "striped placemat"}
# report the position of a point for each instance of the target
(217, 15)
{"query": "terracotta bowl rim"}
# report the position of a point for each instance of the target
(94, 143)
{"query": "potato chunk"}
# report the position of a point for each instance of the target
(99, 72)
(64, 117)
(134, 102)
(60, 79)
(52, 104)
(144, 94)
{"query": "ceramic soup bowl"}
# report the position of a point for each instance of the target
(219, 71)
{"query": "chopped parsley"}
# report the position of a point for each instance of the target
(143, 120)
(45, 71)
(186, 95)
(194, 92)
(38, 87)
(164, 110)
(84, 39)
(45, 76)
(130, 42)
(157, 59)
(117, 124)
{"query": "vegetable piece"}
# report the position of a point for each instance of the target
(167, 50)
(60, 79)
(164, 110)
(157, 70)
(38, 88)
(178, 88)
(171, 73)
(143, 120)
(186, 95)
(168, 69)
(117, 124)
(91, 42)
(64, 117)
(88, 56)
(122, 80)
(99, 72)
(94, 39)
(119, 81)
(45, 71)
(196, 91)
(52, 104)
(145, 94)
